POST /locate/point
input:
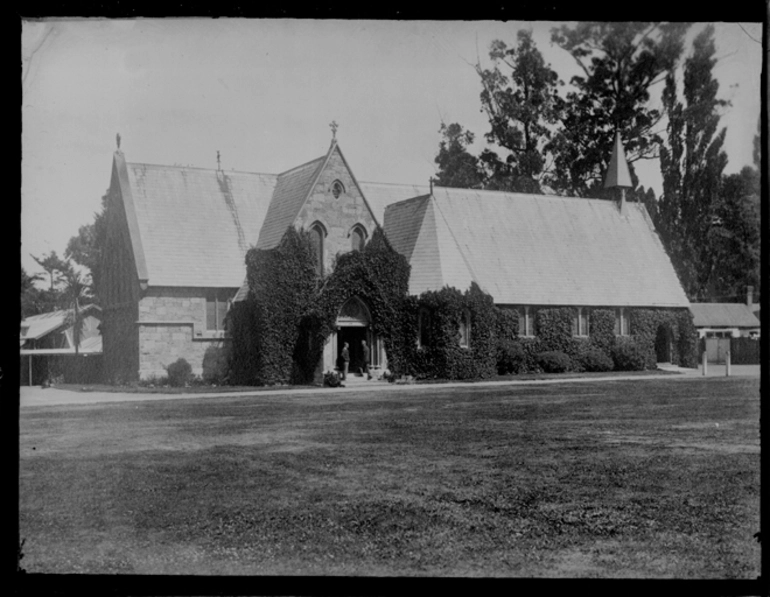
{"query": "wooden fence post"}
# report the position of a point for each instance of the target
(727, 363)
(705, 362)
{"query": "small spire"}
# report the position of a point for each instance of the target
(618, 174)
(334, 126)
(117, 139)
(219, 164)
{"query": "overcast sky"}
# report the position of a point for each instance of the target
(263, 93)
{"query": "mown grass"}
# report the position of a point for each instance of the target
(652, 478)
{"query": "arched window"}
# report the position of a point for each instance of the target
(317, 234)
(357, 238)
(465, 329)
(337, 188)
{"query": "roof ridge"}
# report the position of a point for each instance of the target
(213, 170)
(533, 195)
(395, 184)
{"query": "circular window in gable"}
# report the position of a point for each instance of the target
(337, 189)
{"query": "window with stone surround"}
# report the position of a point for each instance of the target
(317, 235)
(357, 238)
(217, 304)
(337, 189)
(580, 323)
(527, 321)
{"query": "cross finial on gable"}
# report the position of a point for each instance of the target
(431, 181)
(334, 126)
(219, 165)
(117, 139)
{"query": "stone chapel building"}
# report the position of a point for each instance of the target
(177, 237)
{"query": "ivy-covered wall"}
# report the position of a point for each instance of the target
(443, 356)
(279, 332)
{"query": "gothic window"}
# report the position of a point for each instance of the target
(465, 329)
(337, 189)
(317, 234)
(357, 238)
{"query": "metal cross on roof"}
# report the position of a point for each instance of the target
(334, 126)
(117, 139)
(219, 165)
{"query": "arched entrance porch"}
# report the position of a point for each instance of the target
(354, 325)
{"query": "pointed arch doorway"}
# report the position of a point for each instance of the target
(354, 325)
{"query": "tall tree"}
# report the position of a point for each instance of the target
(692, 161)
(457, 167)
(620, 62)
(734, 239)
(523, 108)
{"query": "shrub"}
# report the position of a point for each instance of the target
(595, 359)
(628, 355)
(553, 361)
(332, 379)
(511, 357)
(179, 373)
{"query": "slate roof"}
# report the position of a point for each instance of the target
(734, 315)
(195, 225)
(291, 190)
(537, 249)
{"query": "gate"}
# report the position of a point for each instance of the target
(716, 349)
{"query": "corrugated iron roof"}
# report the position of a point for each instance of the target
(723, 315)
(35, 327)
(196, 224)
(545, 250)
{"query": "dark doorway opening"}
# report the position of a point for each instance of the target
(663, 345)
(353, 336)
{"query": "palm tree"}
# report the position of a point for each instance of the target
(75, 290)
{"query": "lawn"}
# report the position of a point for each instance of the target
(649, 478)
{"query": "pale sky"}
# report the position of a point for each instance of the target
(263, 93)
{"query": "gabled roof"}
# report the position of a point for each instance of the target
(723, 315)
(193, 226)
(419, 231)
(35, 327)
(541, 250)
(291, 191)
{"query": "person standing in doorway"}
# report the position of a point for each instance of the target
(366, 359)
(345, 361)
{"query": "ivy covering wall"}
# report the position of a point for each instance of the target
(279, 332)
(443, 356)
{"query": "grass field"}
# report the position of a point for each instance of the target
(653, 478)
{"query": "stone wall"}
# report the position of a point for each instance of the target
(172, 325)
(337, 214)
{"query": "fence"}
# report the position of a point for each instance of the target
(744, 351)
